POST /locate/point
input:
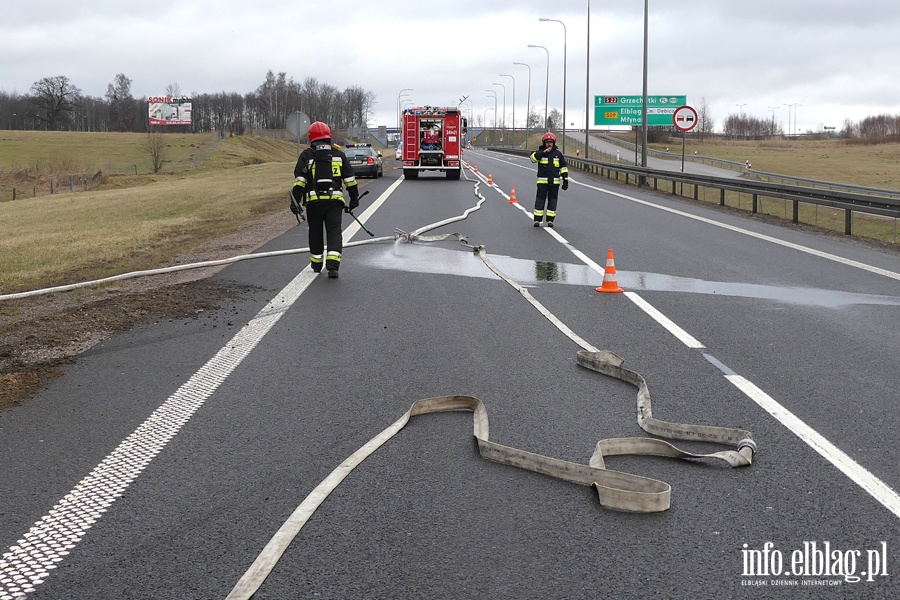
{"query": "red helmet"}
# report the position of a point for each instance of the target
(319, 131)
(548, 136)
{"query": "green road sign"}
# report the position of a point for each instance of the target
(628, 110)
(675, 101)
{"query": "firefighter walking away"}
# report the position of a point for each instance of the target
(319, 176)
(551, 172)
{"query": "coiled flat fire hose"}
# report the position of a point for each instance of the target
(615, 489)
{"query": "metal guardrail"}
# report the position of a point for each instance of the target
(741, 167)
(846, 200)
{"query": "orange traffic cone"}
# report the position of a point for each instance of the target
(476, 169)
(609, 276)
(490, 181)
(512, 196)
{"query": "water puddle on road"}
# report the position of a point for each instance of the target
(417, 258)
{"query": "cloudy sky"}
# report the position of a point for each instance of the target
(834, 59)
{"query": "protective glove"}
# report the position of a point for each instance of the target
(354, 200)
(297, 209)
(565, 184)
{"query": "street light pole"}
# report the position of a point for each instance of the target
(399, 128)
(494, 139)
(773, 109)
(546, 84)
(742, 124)
(513, 101)
(565, 69)
(644, 111)
(587, 87)
(402, 108)
(467, 110)
(528, 104)
(790, 106)
(467, 107)
(503, 122)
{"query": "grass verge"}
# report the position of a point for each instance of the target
(139, 222)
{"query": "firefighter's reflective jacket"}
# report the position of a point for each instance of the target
(320, 174)
(552, 167)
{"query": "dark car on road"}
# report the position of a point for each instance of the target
(366, 161)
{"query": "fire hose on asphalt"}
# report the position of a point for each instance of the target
(615, 489)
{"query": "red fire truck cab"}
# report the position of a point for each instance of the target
(432, 141)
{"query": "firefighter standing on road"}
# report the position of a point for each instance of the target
(320, 172)
(552, 170)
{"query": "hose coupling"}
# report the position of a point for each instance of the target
(747, 443)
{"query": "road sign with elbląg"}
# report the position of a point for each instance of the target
(628, 110)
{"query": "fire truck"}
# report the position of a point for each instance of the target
(432, 141)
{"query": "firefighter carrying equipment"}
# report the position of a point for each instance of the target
(321, 172)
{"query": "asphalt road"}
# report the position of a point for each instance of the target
(168, 457)
(677, 161)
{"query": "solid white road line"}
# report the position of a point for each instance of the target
(856, 472)
(849, 467)
(761, 236)
(28, 563)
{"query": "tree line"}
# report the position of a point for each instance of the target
(875, 128)
(57, 104)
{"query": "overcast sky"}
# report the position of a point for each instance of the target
(837, 59)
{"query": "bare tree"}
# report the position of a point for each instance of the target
(554, 120)
(704, 114)
(272, 99)
(745, 126)
(329, 106)
(173, 90)
(121, 103)
(357, 103)
(850, 129)
(156, 147)
(882, 126)
(55, 100)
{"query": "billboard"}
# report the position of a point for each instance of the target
(165, 110)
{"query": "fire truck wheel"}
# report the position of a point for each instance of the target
(410, 173)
